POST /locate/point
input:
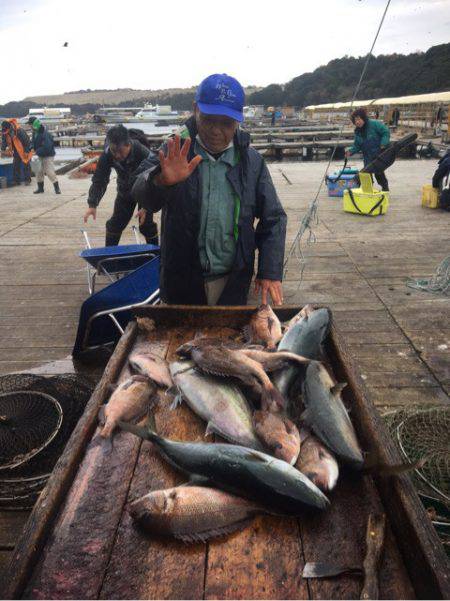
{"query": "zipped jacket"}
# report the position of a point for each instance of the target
(182, 278)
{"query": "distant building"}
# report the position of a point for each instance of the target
(49, 114)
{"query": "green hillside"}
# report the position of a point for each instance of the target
(386, 75)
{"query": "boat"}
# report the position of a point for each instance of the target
(157, 113)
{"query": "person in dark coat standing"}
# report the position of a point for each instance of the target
(212, 187)
(371, 137)
(44, 148)
(16, 142)
(124, 155)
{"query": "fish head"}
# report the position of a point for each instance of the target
(152, 506)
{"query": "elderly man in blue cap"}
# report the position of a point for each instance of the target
(213, 188)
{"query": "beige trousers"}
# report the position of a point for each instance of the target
(214, 288)
(46, 167)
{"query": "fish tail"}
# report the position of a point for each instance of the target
(105, 442)
(384, 469)
(145, 433)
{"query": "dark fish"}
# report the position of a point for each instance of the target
(224, 362)
(271, 361)
(193, 513)
(245, 472)
(304, 338)
(279, 434)
(264, 327)
(327, 416)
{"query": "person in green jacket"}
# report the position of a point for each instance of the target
(371, 137)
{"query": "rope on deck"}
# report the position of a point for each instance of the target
(439, 283)
(310, 218)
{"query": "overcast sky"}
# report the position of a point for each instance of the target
(149, 44)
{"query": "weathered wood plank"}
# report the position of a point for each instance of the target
(38, 527)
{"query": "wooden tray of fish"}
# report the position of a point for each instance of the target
(81, 541)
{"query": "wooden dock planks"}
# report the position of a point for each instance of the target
(95, 551)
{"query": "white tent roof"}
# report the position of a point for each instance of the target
(415, 99)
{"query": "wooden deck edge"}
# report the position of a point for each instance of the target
(428, 565)
(34, 535)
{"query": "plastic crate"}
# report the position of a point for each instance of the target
(339, 181)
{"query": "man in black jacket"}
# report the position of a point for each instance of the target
(441, 181)
(124, 155)
(211, 189)
(44, 147)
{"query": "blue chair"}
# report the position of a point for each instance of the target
(115, 261)
(105, 314)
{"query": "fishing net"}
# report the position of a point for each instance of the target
(41, 414)
(29, 421)
(439, 282)
(422, 433)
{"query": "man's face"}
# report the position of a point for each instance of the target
(216, 131)
(359, 122)
(120, 151)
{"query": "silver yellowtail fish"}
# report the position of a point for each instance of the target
(327, 416)
(221, 404)
(193, 513)
(305, 337)
(245, 472)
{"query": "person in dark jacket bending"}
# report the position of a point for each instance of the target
(441, 181)
(371, 137)
(211, 187)
(44, 148)
(16, 142)
(124, 155)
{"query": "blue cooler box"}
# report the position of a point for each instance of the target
(339, 181)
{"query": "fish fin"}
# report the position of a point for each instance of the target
(338, 388)
(210, 429)
(270, 323)
(102, 416)
(306, 416)
(197, 480)
(136, 430)
(247, 331)
(202, 537)
(177, 400)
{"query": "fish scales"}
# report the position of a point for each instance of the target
(242, 471)
(327, 416)
(305, 337)
(221, 404)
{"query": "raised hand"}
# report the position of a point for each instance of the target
(175, 167)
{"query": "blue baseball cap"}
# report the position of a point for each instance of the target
(220, 94)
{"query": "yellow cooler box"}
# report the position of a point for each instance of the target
(430, 196)
(365, 200)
